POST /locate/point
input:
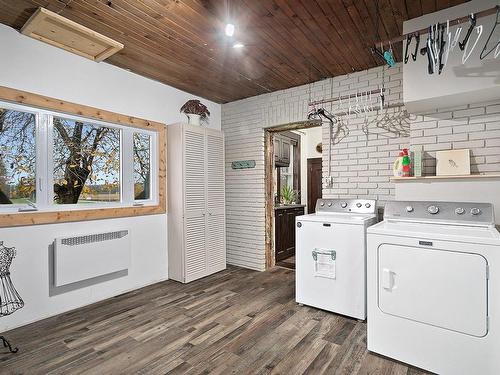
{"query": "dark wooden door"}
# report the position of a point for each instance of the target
(314, 180)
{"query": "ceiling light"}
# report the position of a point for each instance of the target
(229, 29)
(238, 45)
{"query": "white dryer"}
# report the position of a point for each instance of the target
(330, 256)
(434, 287)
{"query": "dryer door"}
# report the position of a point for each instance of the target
(446, 289)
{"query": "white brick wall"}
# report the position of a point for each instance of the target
(361, 165)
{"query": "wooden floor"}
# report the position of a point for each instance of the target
(237, 321)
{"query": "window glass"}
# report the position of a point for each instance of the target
(17, 157)
(86, 162)
(142, 166)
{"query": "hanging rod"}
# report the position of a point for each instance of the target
(345, 97)
(388, 106)
(456, 21)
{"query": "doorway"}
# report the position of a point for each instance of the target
(271, 182)
(314, 180)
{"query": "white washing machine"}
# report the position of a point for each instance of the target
(434, 287)
(330, 256)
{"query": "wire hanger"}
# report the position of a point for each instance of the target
(466, 55)
(495, 47)
(455, 39)
(472, 20)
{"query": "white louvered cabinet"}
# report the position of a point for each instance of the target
(196, 202)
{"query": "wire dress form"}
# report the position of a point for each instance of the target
(10, 300)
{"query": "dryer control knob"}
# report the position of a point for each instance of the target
(329, 204)
(358, 205)
(460, 210)
(433, 209)
(322, 204)
(475, 211)
(343, 205)
(368, 205)
(409, 209)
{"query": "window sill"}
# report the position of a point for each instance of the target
(15, 219)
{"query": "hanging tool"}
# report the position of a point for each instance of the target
(408, 42)
(497, 22)
(389, 57)
(472, 20)
(386, 56)
(442, 43)
(414, 54)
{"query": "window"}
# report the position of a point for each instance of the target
(286, 173)
(86, 159)
(142, 166)
(17, 157)
(53, 162)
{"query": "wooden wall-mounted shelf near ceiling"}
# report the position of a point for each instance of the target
(51, 28)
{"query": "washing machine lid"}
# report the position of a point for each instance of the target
(447, 232)
(340, 218)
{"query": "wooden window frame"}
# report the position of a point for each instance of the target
(60, 216)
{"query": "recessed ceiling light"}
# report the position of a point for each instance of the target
(238, 45)
(229, 30)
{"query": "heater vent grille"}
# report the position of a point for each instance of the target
(92, 238)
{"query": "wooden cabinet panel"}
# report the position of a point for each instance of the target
(285, 231)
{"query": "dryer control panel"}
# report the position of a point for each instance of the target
(465, 213)
(358, 206)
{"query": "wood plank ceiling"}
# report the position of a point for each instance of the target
(287, 42)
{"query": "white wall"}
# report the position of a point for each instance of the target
(33, 66)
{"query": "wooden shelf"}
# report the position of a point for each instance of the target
(433, 178)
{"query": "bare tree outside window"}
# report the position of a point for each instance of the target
(17, 157)
(86, 162)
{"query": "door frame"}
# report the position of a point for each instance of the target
(268, 180)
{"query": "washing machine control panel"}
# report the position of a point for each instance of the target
(359, 206)
(449, 212)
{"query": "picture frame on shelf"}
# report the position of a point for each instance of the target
(453, 162)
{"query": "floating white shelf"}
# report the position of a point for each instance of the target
(430, 178)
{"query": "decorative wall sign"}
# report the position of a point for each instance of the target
(243, 164)
(453, 162)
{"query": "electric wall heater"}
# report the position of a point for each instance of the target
(87, 256)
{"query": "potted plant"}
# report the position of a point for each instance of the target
(288, 195)
(195, 111)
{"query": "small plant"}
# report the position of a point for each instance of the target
(195, 107)
(288, 195)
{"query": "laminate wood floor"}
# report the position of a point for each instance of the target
(235, 322)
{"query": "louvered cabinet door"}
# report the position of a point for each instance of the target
(216, 221)
(195, 256)
(195, 252)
